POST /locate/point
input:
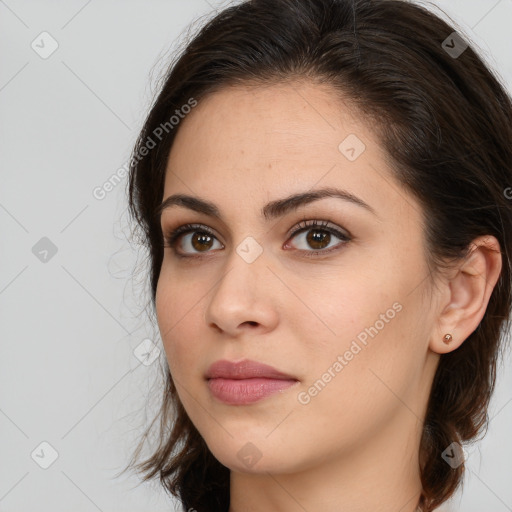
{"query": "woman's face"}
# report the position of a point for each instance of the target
(343, 308)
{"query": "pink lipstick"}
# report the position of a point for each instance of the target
(245, 382)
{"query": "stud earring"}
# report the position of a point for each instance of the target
(447, 338)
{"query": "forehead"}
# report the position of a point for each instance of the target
(248, 142)
(258, 127)
(278, 120)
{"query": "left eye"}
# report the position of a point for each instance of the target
(318, 237)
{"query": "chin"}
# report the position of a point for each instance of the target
(255, 454)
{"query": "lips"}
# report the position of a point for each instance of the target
(245, 369)
(246, 382)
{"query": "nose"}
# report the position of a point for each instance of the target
(244, 298)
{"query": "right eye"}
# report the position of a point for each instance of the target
(186, 239)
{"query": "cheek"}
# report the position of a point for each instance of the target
(342, 308)
(179, 317)
(361, 378)
(371, 320)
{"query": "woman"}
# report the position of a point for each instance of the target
(322, 187)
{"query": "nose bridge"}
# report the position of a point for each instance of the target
(245, 268)
(242, 292)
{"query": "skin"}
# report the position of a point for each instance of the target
(354, 445)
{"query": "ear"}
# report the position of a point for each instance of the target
(466, 294)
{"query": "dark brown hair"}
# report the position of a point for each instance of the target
(445, 121)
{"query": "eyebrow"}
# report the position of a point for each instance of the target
(271, 210)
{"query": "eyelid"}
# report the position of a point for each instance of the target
(171, 235)
(327, 225)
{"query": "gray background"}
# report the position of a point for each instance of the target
(70, 324)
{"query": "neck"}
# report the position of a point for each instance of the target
(381, 475)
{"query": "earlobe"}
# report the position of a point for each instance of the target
(469, 290)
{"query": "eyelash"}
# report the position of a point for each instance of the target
(171, 238)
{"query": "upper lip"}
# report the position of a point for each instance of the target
(245, 369)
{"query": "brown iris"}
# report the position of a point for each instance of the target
(201, 240)
(317, 237)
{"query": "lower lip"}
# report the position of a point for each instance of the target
(246, 391)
